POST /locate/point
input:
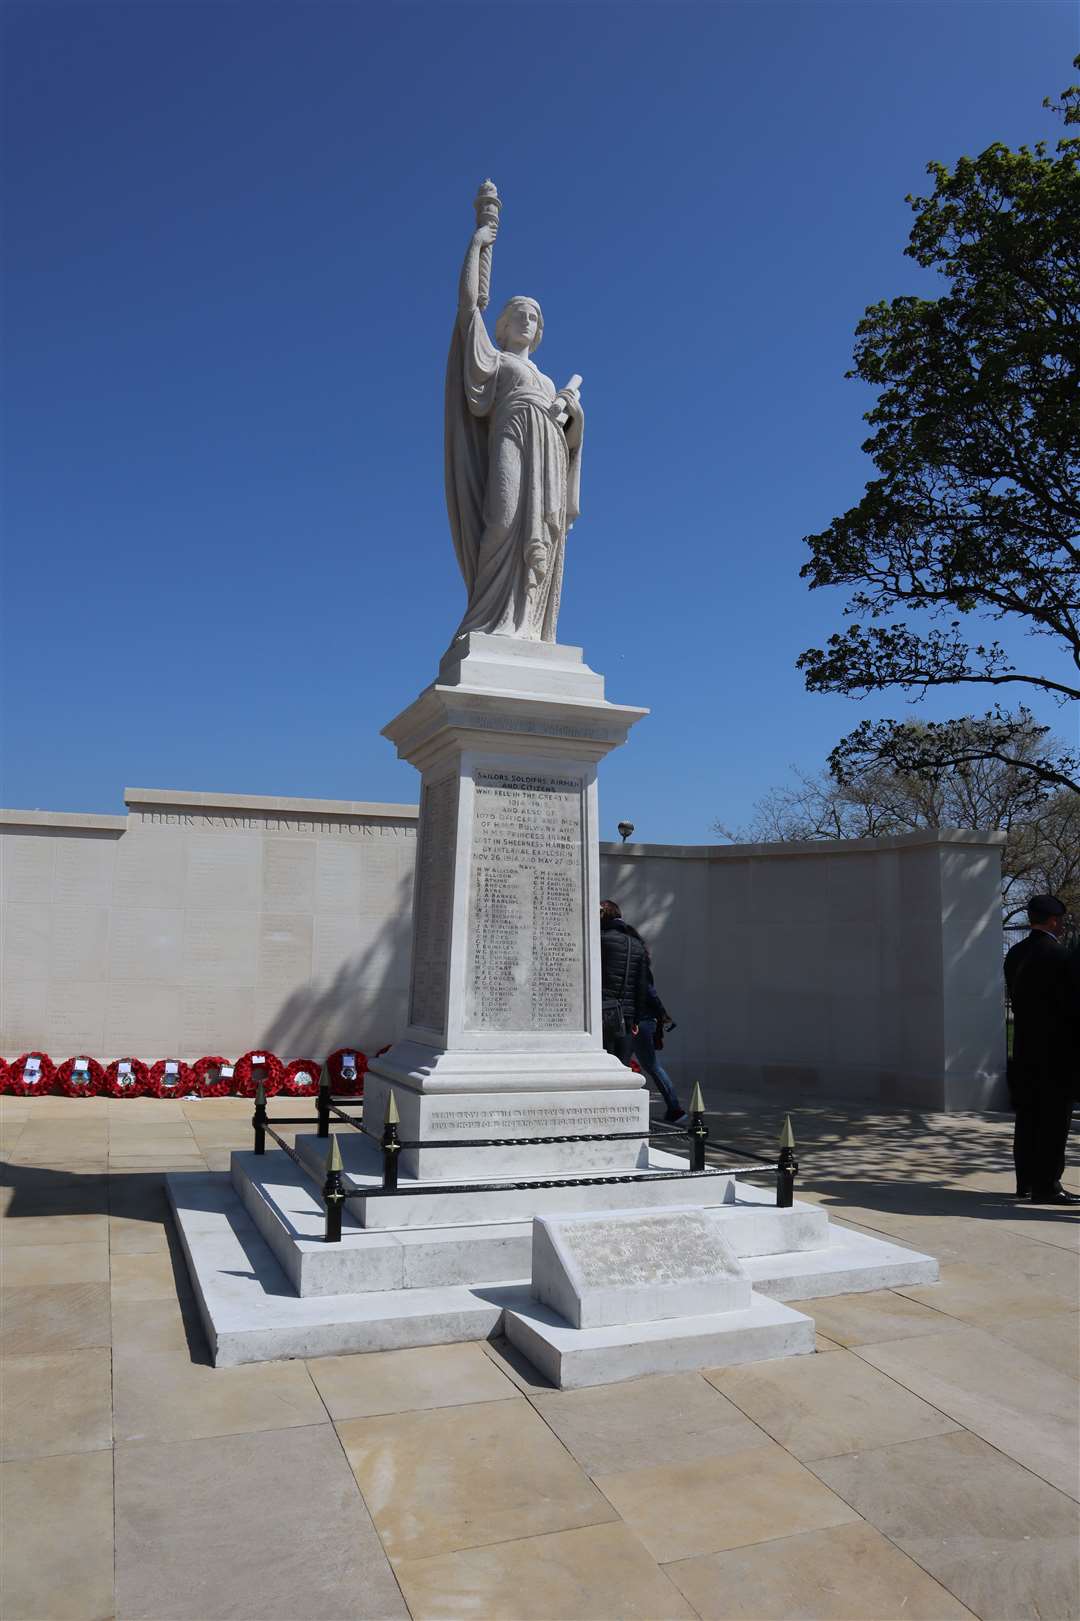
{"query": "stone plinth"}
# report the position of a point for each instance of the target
(504, 999)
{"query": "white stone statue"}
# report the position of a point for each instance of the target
(513, 455)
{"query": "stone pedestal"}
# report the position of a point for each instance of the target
(504, 1032)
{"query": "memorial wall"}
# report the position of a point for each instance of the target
(202, 923)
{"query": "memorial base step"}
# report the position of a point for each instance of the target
(286, 1209)
(440, 1204)
(252, 1312)
(576, 1357)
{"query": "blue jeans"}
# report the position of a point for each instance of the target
(645, 1053)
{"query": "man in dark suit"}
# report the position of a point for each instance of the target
(1046, 1052)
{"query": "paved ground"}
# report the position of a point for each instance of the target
(924, 1465)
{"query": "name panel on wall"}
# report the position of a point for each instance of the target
(434, 904)
(526, 959)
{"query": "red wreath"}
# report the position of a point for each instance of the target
(136, 1080)
(5, 1076)
(244, 1086)
(301, 1078)
(155, 1081)
(207, 1080)
(18, 1086)
(64, 1080)
(338, 1085)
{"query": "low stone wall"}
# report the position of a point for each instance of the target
(199, 923)
(867, 968)
(202, 923)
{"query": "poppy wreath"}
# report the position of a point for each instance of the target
(155, 1080)
(301, 1078)
(19, 1087)
(135, 1086)
(244, 1086)
(338, 1084)
(64, 1079)
(5, 1076)
(207, 1079)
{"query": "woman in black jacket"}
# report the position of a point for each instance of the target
(626, 984)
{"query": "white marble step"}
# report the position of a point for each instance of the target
(436, 1207)
(575, 1357)
(251, 1313)
(285, 1207)
(853, 1263)
(289, 1215)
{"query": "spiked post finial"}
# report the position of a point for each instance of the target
(324, 1078)
(787, 1136)
(260, 1095)
(393, 1118)
(697, 1102)
(333, 1159)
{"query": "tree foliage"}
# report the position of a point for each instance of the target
(975, 512)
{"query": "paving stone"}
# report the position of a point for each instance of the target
(682, 1510)
(663, 1419)
(258, 1527)
(870, 1318)
(57, 1403)
(164, 1396)
(597, 1573)
(1024, 1408)
(985, 1294)
(819, 1406)
(1053, 1340)
(999, 1538)
(460, 1477)
(53, 1317)
(149, 1327)
(56, 1554)
(136, 1235)
(143, 1277)
(405, 1381)
(27, 1264)
(76, 1227)
(846, 1573)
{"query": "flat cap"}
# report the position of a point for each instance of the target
(1041, 906)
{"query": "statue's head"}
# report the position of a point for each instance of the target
(521, 320)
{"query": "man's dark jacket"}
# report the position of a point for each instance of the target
(1046, 1010)
(621, 951)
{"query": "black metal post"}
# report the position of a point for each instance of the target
(258, 1119)
(333, 1194)
(391, 1148)
(697, 1130)
(322, 1103)
(786, 1167)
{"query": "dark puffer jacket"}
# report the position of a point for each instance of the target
(618, 948)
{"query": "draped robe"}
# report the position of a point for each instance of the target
(512, 487)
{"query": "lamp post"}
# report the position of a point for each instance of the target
(625, 830)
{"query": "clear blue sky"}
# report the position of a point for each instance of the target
(233, 233)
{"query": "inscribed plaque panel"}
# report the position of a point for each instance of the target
(526, 963)
(434, 904)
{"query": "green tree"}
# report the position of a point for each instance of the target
(975, 512)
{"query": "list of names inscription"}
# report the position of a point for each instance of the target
(434, 900)
(526, 962)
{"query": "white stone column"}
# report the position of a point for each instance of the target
(504, 1036)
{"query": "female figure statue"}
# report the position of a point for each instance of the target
(513, 456)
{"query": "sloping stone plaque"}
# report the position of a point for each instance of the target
(634, 1266)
